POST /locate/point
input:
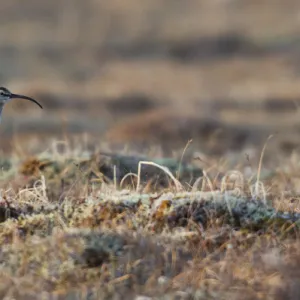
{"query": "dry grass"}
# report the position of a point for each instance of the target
(224, 238)
(78, 223)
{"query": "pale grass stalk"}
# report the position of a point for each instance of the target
(196, 183)
(38, 192)
(228, 204)
(210, 185)
(42, 187)
(205, 176)
(260, 164)
(165, 169)
(180, 163)
(257, 189)
(240, 179)
(115, 177)
(127, 175)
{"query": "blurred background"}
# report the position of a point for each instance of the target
(136, 74)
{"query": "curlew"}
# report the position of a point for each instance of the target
(6, 95)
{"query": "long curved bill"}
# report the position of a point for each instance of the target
(14, 96)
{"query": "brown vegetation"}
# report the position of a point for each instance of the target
(124, 82)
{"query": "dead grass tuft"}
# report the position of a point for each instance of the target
(68, 230)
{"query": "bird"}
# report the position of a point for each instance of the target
(6, 95)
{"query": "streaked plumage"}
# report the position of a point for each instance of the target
(6, 95)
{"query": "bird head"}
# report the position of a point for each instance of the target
(6, 95)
